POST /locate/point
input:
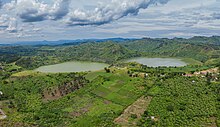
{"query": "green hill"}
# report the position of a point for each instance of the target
(198, 48)
(126, 94)
(107, 52)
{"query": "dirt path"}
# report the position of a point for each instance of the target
(136, 109)
(2, 115)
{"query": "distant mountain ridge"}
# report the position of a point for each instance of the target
(215, 40)
(203, 49)
(67, 42)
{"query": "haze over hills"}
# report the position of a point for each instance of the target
(195, 39)
(68, 42)
(112, 50)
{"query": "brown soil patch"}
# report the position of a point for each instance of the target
(212, 122)
(81, 111)
(107, 102)
(137, 108)
(57, 92)
(15, 124)
(51, 94)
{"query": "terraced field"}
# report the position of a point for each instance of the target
(111, 97)
(121, 96)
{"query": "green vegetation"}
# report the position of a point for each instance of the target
(31, 57)
(8, 69)
(128, 94)
(99, 101)
(183, 101)
(175, 48)
(192, 61)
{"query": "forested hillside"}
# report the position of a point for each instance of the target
(107, 52)
(199, 48)
(176, 48)
(121, 94)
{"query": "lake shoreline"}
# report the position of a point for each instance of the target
(85, 66)
(158, 61)
(72, 66)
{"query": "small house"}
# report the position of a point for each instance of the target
(152, 117)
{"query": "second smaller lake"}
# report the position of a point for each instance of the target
(75, 66)
(156, 62)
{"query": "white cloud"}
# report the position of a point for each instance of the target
(49, 19)
(127, 27)
(59, 9)
(111, 12)
(4, 21)
(181, 34)
(35, 11)
(9, 6)
(12, 26)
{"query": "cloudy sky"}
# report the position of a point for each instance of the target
(31, 20)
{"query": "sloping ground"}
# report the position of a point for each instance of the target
(185, 102)
(107, 52)
(133, 113)
(64, 89)
(98, 103)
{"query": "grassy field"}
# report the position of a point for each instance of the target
(191, 61)
(26, 73)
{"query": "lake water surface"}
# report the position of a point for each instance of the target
(156, 62)
(78, 66)
(75, 66)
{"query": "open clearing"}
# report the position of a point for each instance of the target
(136, 109)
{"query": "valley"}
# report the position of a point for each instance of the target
(146, 83)
(109, 63)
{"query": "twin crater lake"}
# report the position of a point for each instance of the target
(79, 66)
(156, 62)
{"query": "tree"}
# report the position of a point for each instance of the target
(107, 70)
(170, 108)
